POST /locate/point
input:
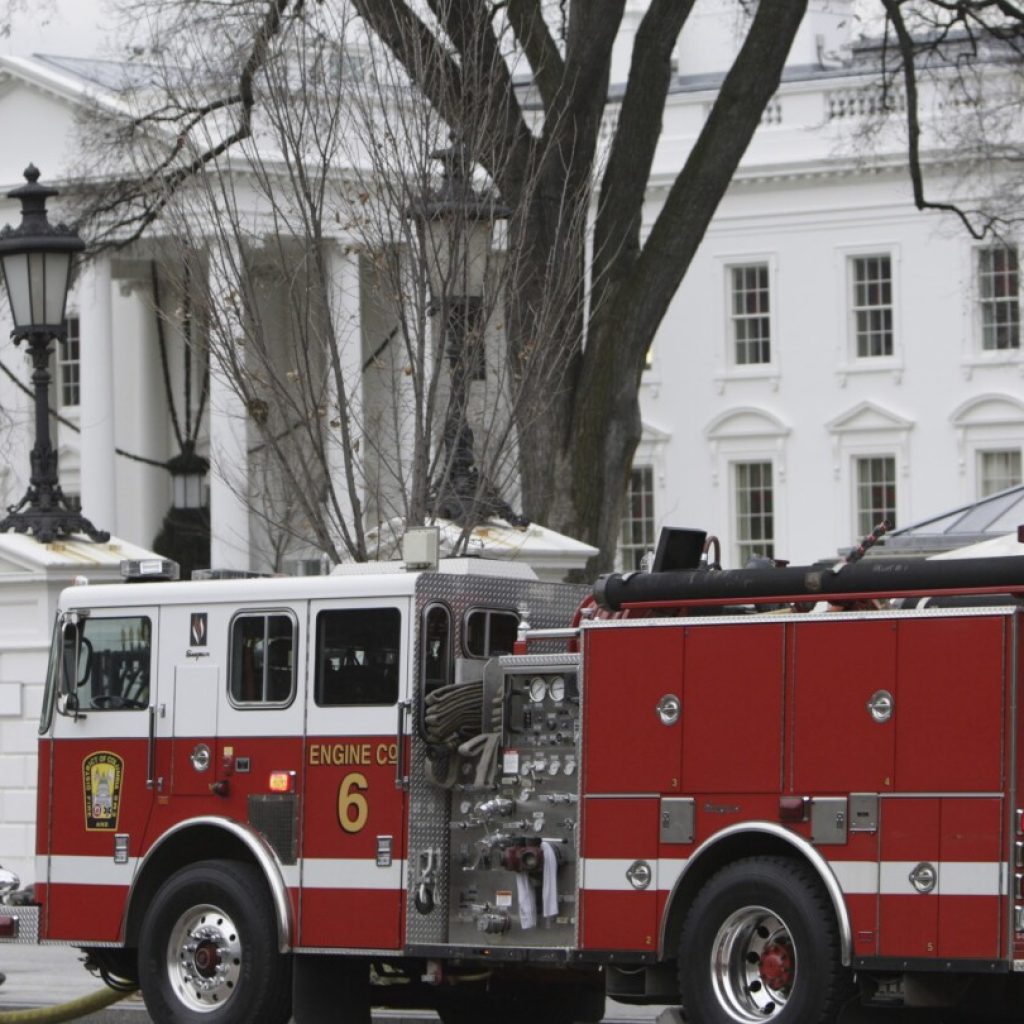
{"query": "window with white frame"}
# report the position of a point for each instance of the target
(999, 298)
(876, 492)
(638, 518)
(750, 314)
(68, 365)
(998, 470)
(755, 510)
(872, 305)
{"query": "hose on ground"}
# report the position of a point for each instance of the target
(65, 1011)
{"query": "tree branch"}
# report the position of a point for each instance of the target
(905, 43)
(694, 196)
(623, 188)
(531, 32)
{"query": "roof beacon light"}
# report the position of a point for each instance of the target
(144, 570)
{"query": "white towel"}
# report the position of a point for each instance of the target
(527, 901)
(549, 890)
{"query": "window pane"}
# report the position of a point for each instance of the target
(357, 656)
(437, 647)
(490, 632)
(68, 366)
(113, 667)
(638, 518)
(999, 298)
(755, 519)
(262, 659)
(751, 321)
(876, 492)
(999, 470)
(872, 305)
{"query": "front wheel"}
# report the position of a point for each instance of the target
(208, 949)
(761, 942)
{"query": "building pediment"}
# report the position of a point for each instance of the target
(868, 417)
(993, 409)
(743, 422)
(654, 435)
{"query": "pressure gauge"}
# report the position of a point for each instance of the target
(556, 690)
(538, 689)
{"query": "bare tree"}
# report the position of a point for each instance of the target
(951, 73)
(523, 84)
(575, 329)
(406, 412)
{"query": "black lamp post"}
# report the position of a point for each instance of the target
(37, 258)
(188, 478)
(455, 225)
(185, 534)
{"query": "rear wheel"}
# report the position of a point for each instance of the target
(208, 949)
(761, 943)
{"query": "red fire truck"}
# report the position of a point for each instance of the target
(467, 790)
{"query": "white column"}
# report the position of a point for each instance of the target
(99, 492)
(343, 269)
(229, 455)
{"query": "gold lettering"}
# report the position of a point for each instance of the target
(341, 754)
(387, 753)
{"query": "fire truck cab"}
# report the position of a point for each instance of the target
(466, 790)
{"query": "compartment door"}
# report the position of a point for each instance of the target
(353, 862)
(101, 794)
(631, 672)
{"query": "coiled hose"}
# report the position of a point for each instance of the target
(452, 713)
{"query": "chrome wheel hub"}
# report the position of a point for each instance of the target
(204, 958)
(753, 965)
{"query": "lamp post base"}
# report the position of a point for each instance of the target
(47, 523)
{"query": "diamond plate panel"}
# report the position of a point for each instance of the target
(545, 606)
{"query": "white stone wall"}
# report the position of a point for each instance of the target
(25, 616)
(805, 201)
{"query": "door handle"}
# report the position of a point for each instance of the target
(401, 779)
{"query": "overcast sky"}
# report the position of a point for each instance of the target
(79, 28)
(84, 28)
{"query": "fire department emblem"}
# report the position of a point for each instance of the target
(102, 773)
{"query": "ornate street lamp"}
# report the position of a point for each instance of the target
(185, 534)
(455, 225)
(37, 259)
(188, 478)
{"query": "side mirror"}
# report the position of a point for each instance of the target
(71, 647)
(70, 678)
(9, 881)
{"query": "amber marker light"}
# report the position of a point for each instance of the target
(282, 782)
(793, 808)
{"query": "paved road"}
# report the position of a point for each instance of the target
(47, 975)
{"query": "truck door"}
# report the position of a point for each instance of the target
(100, 785)
(354, 814)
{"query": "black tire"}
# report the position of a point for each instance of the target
(208, 949)
(761, 942)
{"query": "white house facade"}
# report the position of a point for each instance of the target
(833, 356)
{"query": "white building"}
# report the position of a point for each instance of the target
(825, 362)
(833, 356)
(787, 405)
